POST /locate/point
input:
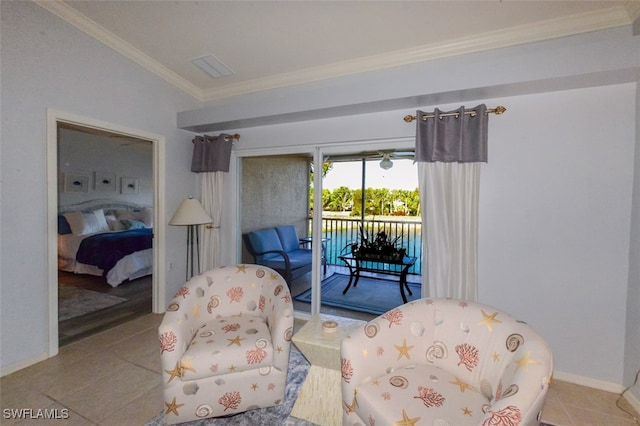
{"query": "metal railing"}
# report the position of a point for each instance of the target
(340, 233)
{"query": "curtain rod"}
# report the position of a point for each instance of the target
(472, 112)
(227, 138)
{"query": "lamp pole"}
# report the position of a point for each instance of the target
(191, 214)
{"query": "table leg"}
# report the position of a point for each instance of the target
(348, 284)
(320, 399)
(403, 284)
(404, 297)
(355, 283)
(350, 277)
(324, 259)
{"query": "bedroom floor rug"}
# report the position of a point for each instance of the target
(277, 415)
(74, 301)
(372, 295)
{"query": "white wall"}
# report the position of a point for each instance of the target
(554, 215)
(84, 154)
(632, 359)
(47, 63)
(555, 220)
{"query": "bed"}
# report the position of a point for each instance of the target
(108, 238)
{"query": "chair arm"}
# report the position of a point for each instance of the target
(279, 315)
(363, 358)
(524, 384)
(176, 330)
(279, 252)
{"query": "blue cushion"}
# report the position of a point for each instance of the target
(264, 240)
(297, 259)
(63, 225)
(300, 257)
(288, 237)
(133, 224)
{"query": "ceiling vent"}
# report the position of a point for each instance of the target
(212, 66)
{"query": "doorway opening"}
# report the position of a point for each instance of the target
(90, 198)
(278, 189)
(365, 195)
(118, 172)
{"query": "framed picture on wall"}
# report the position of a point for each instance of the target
(104, 181)
(129, 185)
(74, 182)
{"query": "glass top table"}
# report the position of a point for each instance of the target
(396, 267)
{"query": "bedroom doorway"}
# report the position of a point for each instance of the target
(99, 167)
(90, 301)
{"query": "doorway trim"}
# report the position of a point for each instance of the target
(158, 142)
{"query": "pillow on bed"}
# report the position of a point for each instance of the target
(114, 223)
(90, 222)
(144, 215)
(133, 224)
(63, 225)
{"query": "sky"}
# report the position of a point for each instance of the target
(403, 175)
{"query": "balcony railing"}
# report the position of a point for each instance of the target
(339, 233)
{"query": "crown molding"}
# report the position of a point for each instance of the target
(95, 30)
(545, 30)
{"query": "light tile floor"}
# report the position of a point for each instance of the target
(113, 378)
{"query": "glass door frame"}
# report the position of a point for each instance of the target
(318, 152)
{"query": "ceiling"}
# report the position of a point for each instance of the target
(276, 44)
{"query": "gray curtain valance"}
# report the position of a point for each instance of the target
(211, 153)
(458, 137)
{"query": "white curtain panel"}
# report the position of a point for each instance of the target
(450, 145)
(212, 191)
(449, 197)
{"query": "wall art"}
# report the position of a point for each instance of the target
(104, 181)
(74, 182)
(129, 185)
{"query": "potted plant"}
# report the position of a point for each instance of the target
(378, 246)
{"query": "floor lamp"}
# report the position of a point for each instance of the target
(191, 214)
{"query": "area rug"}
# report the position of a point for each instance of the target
(277, 415)
(372, 295)
(75, 301)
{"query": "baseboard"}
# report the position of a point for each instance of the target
(588, 381)
(5, 371)
(305, 316)
(631, 398)
(633, 401)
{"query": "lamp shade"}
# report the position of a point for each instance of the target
(190, 212)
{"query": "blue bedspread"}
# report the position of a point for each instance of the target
(105, 250)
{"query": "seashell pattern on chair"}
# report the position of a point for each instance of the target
(445, 362)
(224, 343)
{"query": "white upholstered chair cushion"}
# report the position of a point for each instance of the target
(417, 388)
(224, 343)
(227, 345)
(445, 362)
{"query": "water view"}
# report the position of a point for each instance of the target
(340, 232)
(390, 203)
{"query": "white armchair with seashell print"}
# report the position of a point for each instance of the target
(224, 343)
(445, 362)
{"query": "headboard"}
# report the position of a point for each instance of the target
(105, 203)
(103, 215)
